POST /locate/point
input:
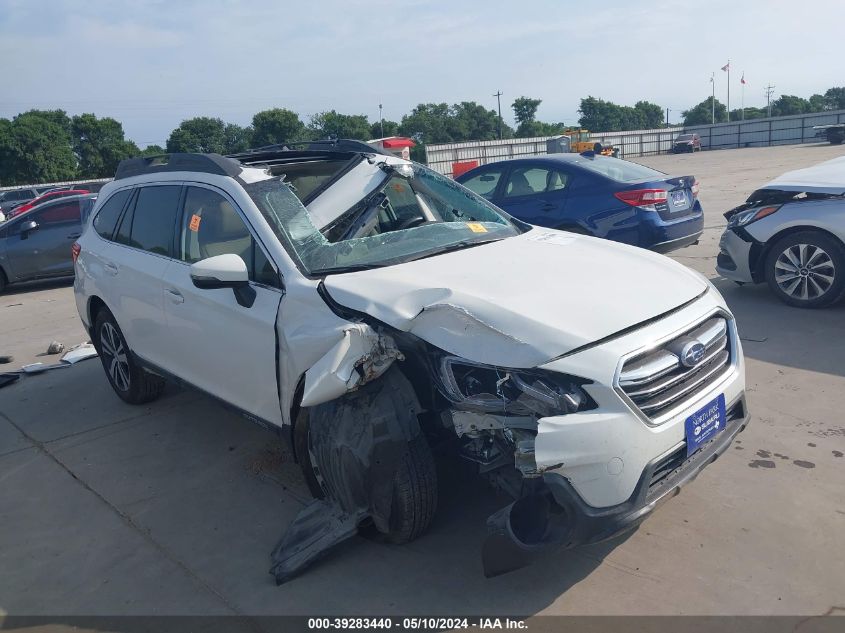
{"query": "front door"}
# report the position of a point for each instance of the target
(216, 344)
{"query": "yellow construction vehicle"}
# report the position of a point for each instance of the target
(579, 141)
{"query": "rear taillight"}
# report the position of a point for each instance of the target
(75, 250)
(642, 197)
(694, 189)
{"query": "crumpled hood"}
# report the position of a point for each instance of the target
(522, 301)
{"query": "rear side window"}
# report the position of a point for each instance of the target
(484, 184)
(108, 215)
(67, 212)
(619, 170)
(152, 220)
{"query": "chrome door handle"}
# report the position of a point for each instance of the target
(175, 295)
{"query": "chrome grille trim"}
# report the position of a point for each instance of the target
(656, 383)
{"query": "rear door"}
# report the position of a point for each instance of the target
(135, 265)
(535, 193)
(45, 250)
(215, 343)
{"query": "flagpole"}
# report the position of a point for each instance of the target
(713, 98)
(742, 98)
(729, 90)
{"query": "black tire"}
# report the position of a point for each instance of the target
(825, 259)
(414, 494)
(2, 281)
(132, 383)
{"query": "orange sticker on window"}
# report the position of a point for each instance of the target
(476, 227)
(195, 223)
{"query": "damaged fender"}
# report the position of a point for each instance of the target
(360, 356)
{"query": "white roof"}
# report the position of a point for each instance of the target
(826, 177)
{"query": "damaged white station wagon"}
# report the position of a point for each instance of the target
(372, 308)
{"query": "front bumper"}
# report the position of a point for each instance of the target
(734, 259)
(662, 479)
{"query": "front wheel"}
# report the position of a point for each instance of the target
(132, 383)
(806, 270)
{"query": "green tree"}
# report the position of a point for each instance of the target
(391, 128)
(818, 103)
(99, 145)
(473, 122)
(599, 115)
(835, 98)
(153, 150)
(651, 115)
(701, 114)
(333, 124)
(789, 104)
(200, 134)
(36, 146)
(525, 109)
(236, 138)
(276, 125)
(750, 113)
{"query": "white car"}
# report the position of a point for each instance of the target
(369, 306)
(790, 233)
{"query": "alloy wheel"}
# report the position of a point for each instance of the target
(804, 271)
(114, 356)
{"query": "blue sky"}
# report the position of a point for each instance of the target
(153, 63)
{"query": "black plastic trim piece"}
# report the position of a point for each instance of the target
(204, 163)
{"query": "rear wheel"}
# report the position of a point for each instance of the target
(806, 270)
(2, 281)
(132, 383)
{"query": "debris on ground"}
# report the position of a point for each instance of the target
(79, 352)
(40, 368)
(6, 359)
(55, 347)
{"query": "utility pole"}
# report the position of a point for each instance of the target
(380, 121)
(770, 90)
(498, 96)
(667, 117)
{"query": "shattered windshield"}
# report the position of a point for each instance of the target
(411, 212)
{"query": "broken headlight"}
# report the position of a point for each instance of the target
(484, 388)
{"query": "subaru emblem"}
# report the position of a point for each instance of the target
(692, 353)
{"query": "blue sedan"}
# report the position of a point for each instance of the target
(595, 195)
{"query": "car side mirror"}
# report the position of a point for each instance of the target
(224, 271)
(27, 227)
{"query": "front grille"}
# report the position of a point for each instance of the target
(658, 381)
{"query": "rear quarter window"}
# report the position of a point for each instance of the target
(153, 219)
(106, 219)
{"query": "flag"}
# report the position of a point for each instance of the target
(726, 67)
(742, 80)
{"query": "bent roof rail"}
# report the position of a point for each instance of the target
(205, 163)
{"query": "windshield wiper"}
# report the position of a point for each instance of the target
(457, 246)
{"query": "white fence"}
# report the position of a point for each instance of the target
(45, 185)
(631, 143)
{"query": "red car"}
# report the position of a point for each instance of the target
(47, 196)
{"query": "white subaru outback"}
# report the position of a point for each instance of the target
(372, 309)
